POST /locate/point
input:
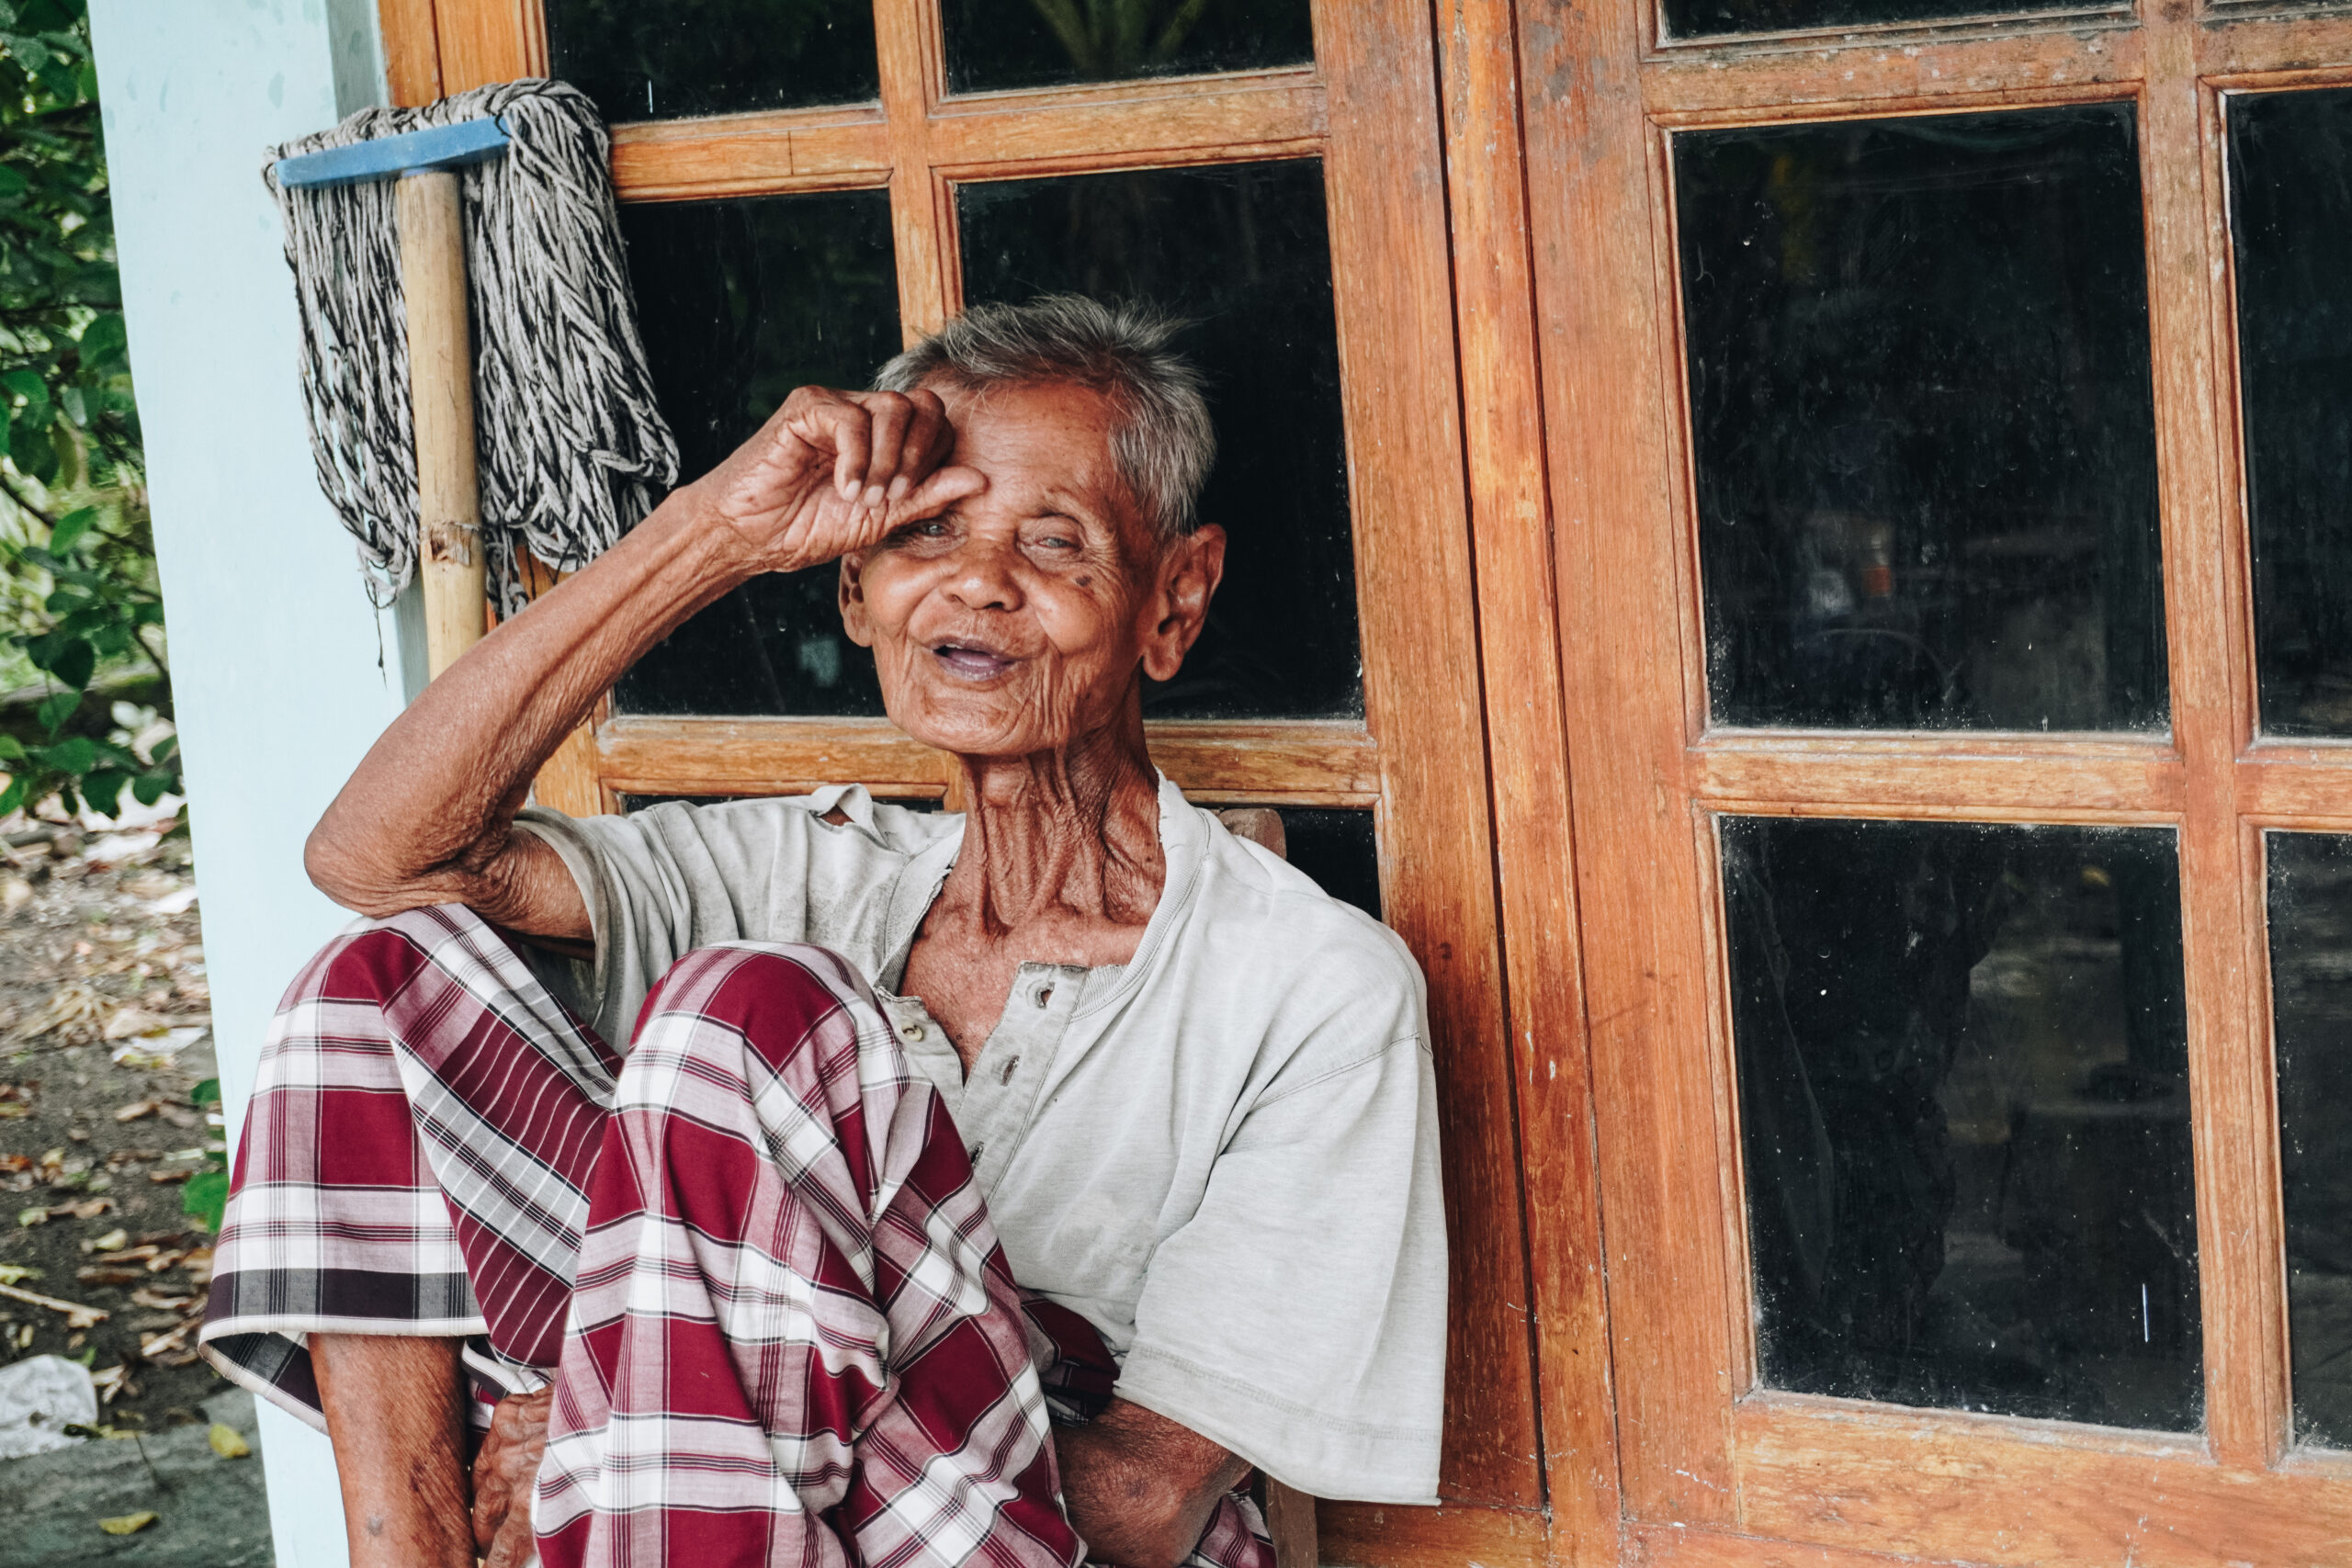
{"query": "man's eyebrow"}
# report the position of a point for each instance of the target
(1056, 502)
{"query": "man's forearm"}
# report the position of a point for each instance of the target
(431, 801)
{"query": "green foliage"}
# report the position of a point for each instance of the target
(79, 599)
(63, 372)
(206, 1196)
(96, 613)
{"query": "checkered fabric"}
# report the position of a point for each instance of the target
(793, 1337)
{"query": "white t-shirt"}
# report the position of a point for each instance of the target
(1222, 1155)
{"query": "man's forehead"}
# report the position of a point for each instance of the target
(1037, 434)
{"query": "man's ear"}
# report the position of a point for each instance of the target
(851, 594)
(1190, 569)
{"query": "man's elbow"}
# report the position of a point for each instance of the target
(342, 870)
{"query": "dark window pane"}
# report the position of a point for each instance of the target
(741, 301)
(666, 59)
(2290, 195)
(994, 44)
(1963, 1099)
(1244, 250)
(1922, 423)
(1338, 850)
(1704, 18)
(2311, 1000)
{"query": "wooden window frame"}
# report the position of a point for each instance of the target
(1714, 1470)
(1367, 107)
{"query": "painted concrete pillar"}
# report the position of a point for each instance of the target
(282, 672)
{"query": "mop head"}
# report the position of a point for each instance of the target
(572, 448)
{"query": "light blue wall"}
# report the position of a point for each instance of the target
(274, 651)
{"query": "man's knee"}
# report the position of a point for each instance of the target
(371, 960)
(773, 997)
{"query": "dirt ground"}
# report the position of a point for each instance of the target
(104, 1038)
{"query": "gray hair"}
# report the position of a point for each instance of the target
(1163, 443)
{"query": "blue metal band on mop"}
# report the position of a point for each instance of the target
(434, 147)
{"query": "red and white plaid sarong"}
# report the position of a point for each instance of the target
(752, 1258)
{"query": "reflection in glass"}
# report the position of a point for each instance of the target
(1922, 424)
(1242, 250)
(995, 44)
(2290, 199)
(741, 301)
(663, 61)
(1963, 1099)
(2311, 1001)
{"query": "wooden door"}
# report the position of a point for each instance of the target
(800, 177)
(1942, 413)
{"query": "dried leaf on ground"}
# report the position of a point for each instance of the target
(97, 1276)
(159, 1344)
(107, 1242)
(227, 1443)
(126, 1022)
(73, 1012)
(77, 1315)
(129, 1524)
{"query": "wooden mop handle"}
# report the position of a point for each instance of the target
(441, 393)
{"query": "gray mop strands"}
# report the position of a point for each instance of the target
(573, 449)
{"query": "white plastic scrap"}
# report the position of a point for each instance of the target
(40, 1396)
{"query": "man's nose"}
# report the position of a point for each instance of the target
(981, 575)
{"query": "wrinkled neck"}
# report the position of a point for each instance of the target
(1068, 833)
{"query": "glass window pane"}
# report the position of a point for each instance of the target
(1707, 18)
(994, 44)
(672, 58)
(1922, 423)
(1242, 250)
(741, 301)
(1336, 847)
(2291, 197)
(2311, 992)
(1964, 1096)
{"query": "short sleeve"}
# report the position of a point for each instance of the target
(661, 882)
(1298, 1317)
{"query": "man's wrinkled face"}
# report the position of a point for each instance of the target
(1016, 621)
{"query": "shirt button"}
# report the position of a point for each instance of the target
(1010, 1068)
(1044, 996)
(977, 1150)
(912, 1032)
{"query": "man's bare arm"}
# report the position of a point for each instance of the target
(1140, 1487)
(428, 815)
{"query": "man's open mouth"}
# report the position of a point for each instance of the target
(973, 662)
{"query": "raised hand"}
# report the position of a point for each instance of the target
(831, 472)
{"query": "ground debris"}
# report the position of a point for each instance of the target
(77, 1315)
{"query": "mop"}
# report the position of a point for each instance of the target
(454, 452)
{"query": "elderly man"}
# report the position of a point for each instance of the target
(746, 1291)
